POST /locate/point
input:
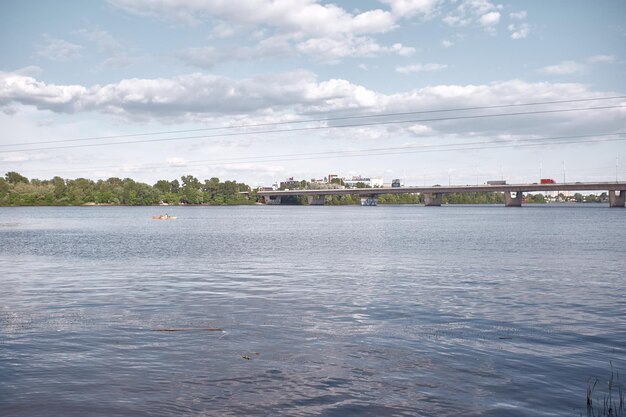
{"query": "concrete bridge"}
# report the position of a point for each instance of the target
(432, 195)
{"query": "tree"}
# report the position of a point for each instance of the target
(163, 186)
(191, 190)
(174, 186)
(15, 178)
(535, 199)
(4, 186)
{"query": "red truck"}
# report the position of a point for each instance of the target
(548, 181)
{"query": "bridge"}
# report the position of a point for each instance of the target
(513, 193)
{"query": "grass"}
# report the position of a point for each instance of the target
(610, 406)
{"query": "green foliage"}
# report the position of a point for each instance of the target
(473, 198)
(16, 190)
(400, 199)
(15, 178)
(342, 200)
(592, 198)
(535, 199)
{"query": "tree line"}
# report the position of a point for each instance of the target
(18, 190)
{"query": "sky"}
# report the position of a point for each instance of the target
(258, 91)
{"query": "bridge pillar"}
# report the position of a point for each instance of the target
(432, 199)
(316, 200)
(274, 199)
(616, 200)
(510, 201)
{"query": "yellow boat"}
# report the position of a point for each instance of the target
(166, 217)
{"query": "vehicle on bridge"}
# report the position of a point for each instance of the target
(547, 181)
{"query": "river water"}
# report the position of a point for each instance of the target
(324, 311)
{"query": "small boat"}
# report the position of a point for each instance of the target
(166, 217)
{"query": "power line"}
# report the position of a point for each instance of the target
(167, 132)
(558, 140)
(464, 148)
(314, 128)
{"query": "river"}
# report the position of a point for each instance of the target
(314, 311)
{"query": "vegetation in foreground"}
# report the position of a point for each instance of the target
(609, 404)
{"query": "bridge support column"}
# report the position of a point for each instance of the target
(316, 200)
(510, 201)
(431, 200)
(273, 200)
(616, 200)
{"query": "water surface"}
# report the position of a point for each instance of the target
(325, 311)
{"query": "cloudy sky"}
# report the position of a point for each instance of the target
(431, 91)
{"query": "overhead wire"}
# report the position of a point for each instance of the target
(408, 149)
(314, 128)
(328, 119)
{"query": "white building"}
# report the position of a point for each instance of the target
(369, 182)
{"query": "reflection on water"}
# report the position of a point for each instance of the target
(333, 311)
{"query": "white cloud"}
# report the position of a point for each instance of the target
(15, 157)
(602, 59)
(293, 96)
(490, 19)
(420, 129)
(421, 68)
(208, 57)
(408, 8)
(105, 42)
(223, 30)
(446, 43)
(518, 15)
(402, 50)
(29, 91)
(116, 53)
(326, 32)
(301, 16)
(333, 48)
(176, 162)
(58, 49)
(474, 12)
(324, 49)
(519, 31)
(563, 68)
(31, 70)
(575, 68)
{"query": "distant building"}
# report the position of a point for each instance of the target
(289, 183)
(369, 182)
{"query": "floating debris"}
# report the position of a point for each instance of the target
(247, 357)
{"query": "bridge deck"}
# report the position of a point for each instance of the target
(575, 186)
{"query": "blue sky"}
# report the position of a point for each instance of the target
(78, 70)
